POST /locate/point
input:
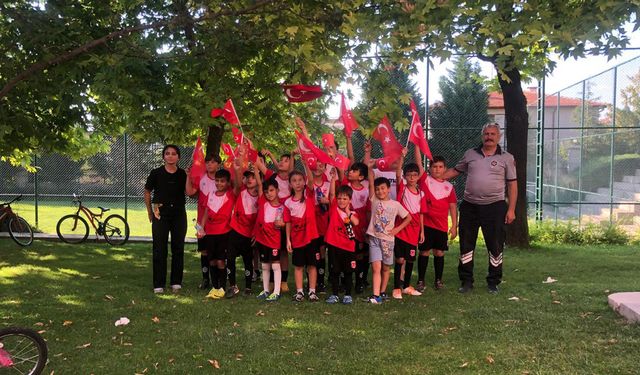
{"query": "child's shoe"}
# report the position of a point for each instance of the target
(273, 297)
(158, 290)
(298, 297)
(333, 299)
(313, 297)
(376, 300)
(211, 293)
(438, 284)
(397, 294)
(420, 287)
(410, 291)
(231, 292)
(347, 300)
(384, 296)
(218, 293)
(263, 295)
(247, 291)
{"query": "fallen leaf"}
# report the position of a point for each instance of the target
(297, 352)
(39, 324)
(42, 331)
(235, 324)
(239, 356)
(490, 359)
(83, 346)
(155, 319)
(549, 280)
(67, 323)
(214, 363)
(127, 344)
(109, 297)
(260, 313)
(556, 302)
(514, 298)
(327, 313)
(464, 365)
(171, 360)
(122, 321)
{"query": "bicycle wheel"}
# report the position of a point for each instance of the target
(72, 229)
(22, 350)
(20, 231)
(116, 230)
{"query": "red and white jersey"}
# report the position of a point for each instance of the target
(206, 186)
(265, 230)
(284, 191)
(360, 203)
(322, 215)
(303, 219)
(245, 213)
(219, 209)
(416, 205)
(438, 196)
(336, 232)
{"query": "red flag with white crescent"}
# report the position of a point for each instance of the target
(416, 134)
(198, 168)
(228, 112)
(302, 93)
(385, 163)
(384, 134)
(341, 162)
(347, 118)
(306, 146)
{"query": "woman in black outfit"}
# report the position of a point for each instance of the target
(167, 214)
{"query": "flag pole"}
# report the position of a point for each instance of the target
(238, 117)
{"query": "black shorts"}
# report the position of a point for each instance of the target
(238, 245)
(216, 245)
(402, 249)
(434, 240)
(342, 260)
(307, 255)
(202, 244)
(362, 248)
(267, 254)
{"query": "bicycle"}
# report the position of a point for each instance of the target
(22, 350)
(19, 230)
(74, 229)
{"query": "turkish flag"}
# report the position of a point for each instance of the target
(384, 134)
(341, 162)
(198, 168)
(228, 112)
(227, 149)
(385, 163)
(328, 140)
(306, 146)
(416, 134)
(307, 156)
(347, 118)
(237, 134)
(302, 93)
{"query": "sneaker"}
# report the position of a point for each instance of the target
(298, 297)
(263, 295)
(158, 290)
(376, 300)
(231, 292)
(211, 293)
(347, 300)
(247, 291)
(217, 293)
(411, 291)
(420, 287)
(175, 288)
(272, 297)
(313, 297)
(204, 285)
(493, 289)
(465, 288)
(333, 299)
(284, 287)
(321, 289)
(384, 296)
(360, 288)
(397, 294)
(438, 284)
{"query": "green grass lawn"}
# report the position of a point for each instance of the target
(74, 294)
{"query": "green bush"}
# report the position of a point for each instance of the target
(548, 232)
(595, 174)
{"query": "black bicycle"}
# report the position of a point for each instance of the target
(19, 230)
(22, 351)
(74, 228)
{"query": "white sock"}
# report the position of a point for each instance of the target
(277, 277)
(266, 275)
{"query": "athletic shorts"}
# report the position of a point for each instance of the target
(202, 244)
(362, 248)
(402, 249)
(380, 250)
(434, 240)
(216, 245)
(307, 255)
(342, 260)
(238, 245)
(267, 254)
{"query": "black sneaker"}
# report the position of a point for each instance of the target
(438, 284)
(420, 287)
(231, 292)
(384, 296)
(493, 289)
(204, 285)
(465, 288)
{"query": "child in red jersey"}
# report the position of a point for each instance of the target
(321, 187)
(242, 225)
(206, 186)
(272, 218)
(440, 198)
(301, 231)
(406, 241)
(340, 240)
(215, 222)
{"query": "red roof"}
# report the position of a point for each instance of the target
(531, 94)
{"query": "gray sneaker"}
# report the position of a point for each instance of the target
(347, 300)
(298, 297)
(231, 292)
(313, 297)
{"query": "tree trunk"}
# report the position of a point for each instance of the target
(517, 124)
(214, 138)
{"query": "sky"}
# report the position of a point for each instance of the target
(566, 73)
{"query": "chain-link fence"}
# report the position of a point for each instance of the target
(585, 165)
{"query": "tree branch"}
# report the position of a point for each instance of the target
(176, 21)
(481, 56)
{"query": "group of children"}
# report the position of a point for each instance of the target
(344, 216)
